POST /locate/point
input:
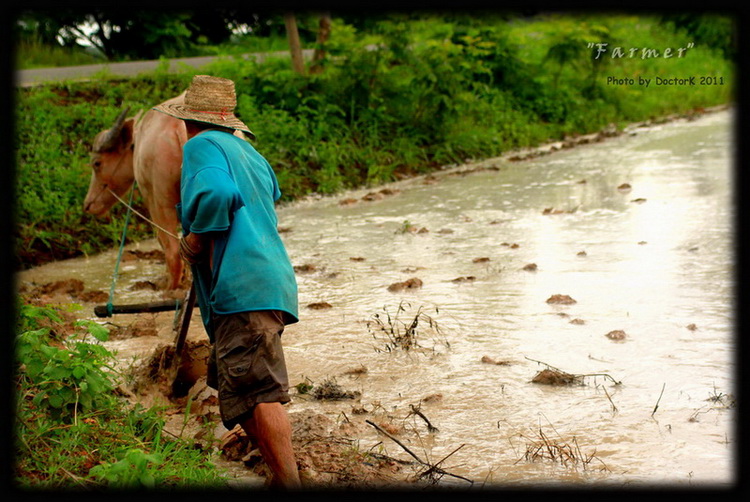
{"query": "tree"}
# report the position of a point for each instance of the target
(119, 33)
(709, 29)
(295, 48)
(324, 31)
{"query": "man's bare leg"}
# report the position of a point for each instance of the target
(270, 426)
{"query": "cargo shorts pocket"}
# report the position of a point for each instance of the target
(242, 362)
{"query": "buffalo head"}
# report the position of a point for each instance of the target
(112, 165)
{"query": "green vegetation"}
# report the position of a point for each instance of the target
(112, 34)
(74, 431)
(32, 53)
(408, 95)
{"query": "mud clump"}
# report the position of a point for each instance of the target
(347, 202)
(489, 360)
(69, 287)
(57, 290)
(235, 444)
(382, 194)
(153, 372)
(326, 457)
(319, 305)
(468, 278)
(432, 398)
(136, 254)
(617, 335)
(94, 296)
(140, 327)
(303, 269)
(409, 284)
(554, 377)
(552, 210)
(144, 285)
(329, 390)
(359, 370)
(561, 300)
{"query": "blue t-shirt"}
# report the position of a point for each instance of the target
(228, 188)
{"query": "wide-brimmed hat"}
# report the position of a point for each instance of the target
(208, 99)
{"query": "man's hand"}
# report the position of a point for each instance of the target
(193, 248)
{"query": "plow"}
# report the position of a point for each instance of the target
(183, 314)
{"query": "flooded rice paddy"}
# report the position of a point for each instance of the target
(636, 230)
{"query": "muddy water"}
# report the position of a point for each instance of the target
(653, 261)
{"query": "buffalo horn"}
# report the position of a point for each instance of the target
(110, 138)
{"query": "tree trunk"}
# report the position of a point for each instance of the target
(324, 31)
(294, 45)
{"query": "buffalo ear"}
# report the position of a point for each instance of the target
(127, 135)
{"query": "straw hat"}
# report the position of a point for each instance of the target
(208, 99)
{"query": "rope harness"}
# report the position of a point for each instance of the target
(119, 255)
(129, 205)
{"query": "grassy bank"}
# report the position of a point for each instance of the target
(409, 97)
(74, 431)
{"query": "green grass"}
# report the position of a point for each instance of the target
(30, 54)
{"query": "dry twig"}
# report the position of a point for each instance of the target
(658, 400)
(430, 467)
(416, 411)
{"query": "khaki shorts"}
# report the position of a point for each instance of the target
(247, 364)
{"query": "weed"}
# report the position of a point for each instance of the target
(133, 470)
(543, 449)
(398, 335)
(69, 376)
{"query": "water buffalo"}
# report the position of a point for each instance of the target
(148, 151)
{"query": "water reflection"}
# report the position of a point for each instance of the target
(649, 261)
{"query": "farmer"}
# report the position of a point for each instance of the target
(245, 284)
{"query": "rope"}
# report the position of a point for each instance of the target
(110, 306)
(130, 207)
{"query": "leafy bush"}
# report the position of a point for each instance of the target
(65, 376)
(72, 430)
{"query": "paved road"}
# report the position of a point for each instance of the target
(27, 78)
